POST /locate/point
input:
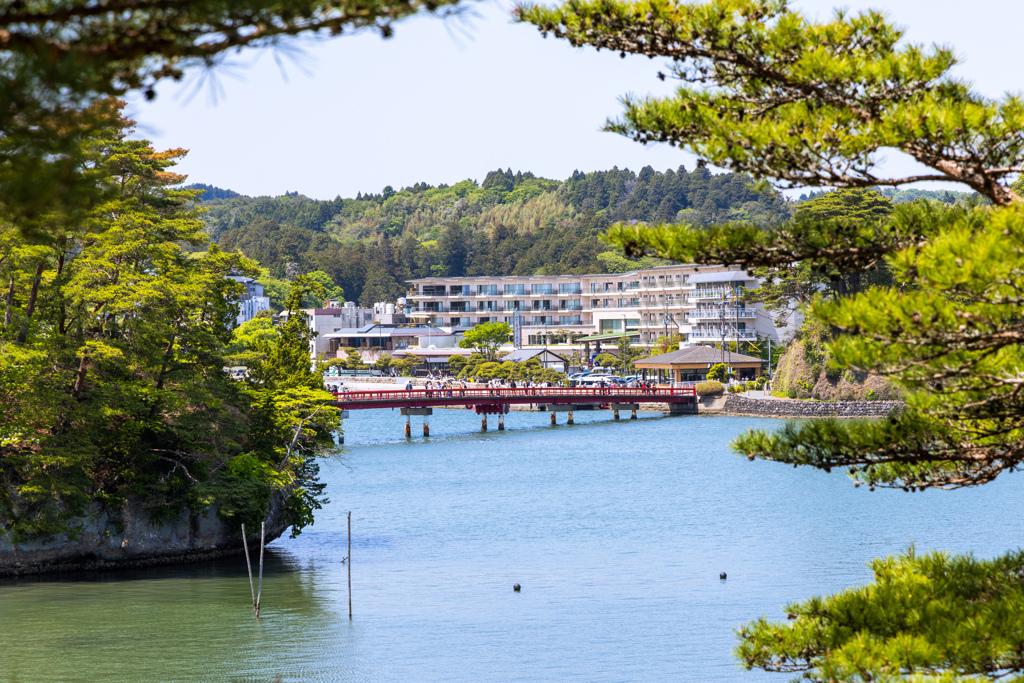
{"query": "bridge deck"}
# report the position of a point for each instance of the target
(425, 398)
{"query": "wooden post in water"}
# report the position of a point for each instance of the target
(501, 422)
(259, 591)
(483, 423)
(248, 566)
(553, 420)
(633, 416)
(616, 411)
(569, 421)
(426, 427)
(350, 565)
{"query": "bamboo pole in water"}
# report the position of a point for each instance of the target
(350, 565)
(259, 593)
(248, 566)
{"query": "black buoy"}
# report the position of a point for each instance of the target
(722, 576)
(516, 587)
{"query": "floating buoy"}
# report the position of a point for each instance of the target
(722, 576)
(516, 587)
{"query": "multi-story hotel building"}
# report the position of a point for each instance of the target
(702, 303)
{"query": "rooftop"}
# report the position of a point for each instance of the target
(543, 278)
(386, 331)
(721, 276)
(696, 355)
(520, 355)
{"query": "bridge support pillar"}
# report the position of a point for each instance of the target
(688, 408)
(553, 420)
(501, 422)
(625, 406)
(409, 412)
(569, 421)
(483, 423)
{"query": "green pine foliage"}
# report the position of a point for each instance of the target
(939, 616)
(112, 366)
(805, 103)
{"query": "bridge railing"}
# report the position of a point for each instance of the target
(488, 394)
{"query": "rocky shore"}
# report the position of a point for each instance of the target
(127, 538)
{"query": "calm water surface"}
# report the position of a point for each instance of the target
(616, 531)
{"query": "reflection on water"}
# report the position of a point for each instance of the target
(617, 532)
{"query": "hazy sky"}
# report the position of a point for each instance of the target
(447, 100)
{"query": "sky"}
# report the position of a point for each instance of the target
(446, 100)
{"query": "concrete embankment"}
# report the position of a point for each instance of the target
(794, 409)
(127, 538)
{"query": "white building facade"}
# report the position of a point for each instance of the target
(697, 302)
(338, 315)
(251, 301)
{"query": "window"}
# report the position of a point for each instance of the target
(486, 289)
(456, 290)
(540, 289)
(569, 288)
(569, 320)
(542, 304)
(515, 290)
(433, 290)
(570, 305)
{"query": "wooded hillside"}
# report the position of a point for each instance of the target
(510, 224)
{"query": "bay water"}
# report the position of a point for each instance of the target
(617, 532)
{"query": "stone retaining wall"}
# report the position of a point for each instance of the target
(792, 409)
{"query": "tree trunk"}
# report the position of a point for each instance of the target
(80, 377)
(10, 302)
(31, 303)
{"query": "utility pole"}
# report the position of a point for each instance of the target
(721, 319)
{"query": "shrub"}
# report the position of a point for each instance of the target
(760, 382)
(718, 372)
(710, 388)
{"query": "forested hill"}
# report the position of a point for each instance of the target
(510, 224)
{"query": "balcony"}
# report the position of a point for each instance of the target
(716, 314)
(570, 289)
(729, 294)
(716, 335)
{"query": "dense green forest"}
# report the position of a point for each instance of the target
(510, 224)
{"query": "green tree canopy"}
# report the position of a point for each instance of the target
(112, 366)
(487, 338)
(857, 204)
(380, 287)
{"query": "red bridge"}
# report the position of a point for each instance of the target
(487, 401)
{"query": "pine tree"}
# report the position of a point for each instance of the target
(809, 104)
